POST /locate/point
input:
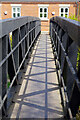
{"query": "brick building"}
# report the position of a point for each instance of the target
(44, 9)
(78, 6)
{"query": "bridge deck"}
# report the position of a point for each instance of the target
(39, 95)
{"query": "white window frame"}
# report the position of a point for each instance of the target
(43, 7)
(64, 6)
(16, 6)
(16, 11)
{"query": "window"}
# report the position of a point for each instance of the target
(16, 12)
(43, 12)
(64, 11)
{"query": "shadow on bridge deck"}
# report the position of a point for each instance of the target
(39, 95)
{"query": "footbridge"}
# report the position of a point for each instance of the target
(39, 73)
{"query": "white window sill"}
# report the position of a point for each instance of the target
(43, 5)
(44, 19)
(16, 5)
(64, 5)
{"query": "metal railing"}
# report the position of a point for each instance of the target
(65, 37)
(17, 37)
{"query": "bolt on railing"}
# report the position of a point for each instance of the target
(65, 37)
(17, 37)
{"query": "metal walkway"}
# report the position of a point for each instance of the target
(39, 95)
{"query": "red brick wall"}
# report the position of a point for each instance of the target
(33, 10)
(29, 10)
(79, 11)
(72, 10)
(6, 7)
(55, 8)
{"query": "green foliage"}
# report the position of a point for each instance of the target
(72, 17)
(78, 58)
(79, 10)
(66, 16)
(78, 114)
(8, 84)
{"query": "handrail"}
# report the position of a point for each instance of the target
(69, 26)
(24, 31)
(65, 39)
